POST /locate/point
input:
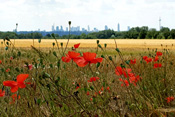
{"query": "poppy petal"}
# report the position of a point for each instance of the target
(89, 56)
(14, 89)
(73, 55)
(21, 78)
(76, 45)
(21, 85)
(80, 61)
(10, 83)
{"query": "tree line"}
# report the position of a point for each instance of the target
(134, 33)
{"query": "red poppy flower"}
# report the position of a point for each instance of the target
(11, 58)
(92, 79)
(119, 71)
(156, 65)
(0, 62)
(87, 58)
(7, 70)
(87, 93)
(159, 53)
(148, 60)
(125, 82)
(91, 99)
(14, 97)
(100, 92)
(18, 84)
(156, 58)
(145, 57)
(134, 79)
(2, 93)
(108, 89)
(29, 66)
(133, 61)
(76, 45)
(78, 86)
(102, 88)
(169, 99)
(70, 56)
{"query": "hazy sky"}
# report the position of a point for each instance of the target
(42, 14)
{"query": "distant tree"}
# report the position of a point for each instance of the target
(166, 32)
(173, 33)
(83, 36)
(113, 37)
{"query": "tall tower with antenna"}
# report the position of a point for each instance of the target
(160, 23)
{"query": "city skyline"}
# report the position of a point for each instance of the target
(41, 14)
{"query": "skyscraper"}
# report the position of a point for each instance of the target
(61, 28)
(160, 23)
(53, 27)
(118, 27)
(57, 28)
(106, 27)
(129, 28)
(88, 28)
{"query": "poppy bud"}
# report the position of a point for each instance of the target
(99, 46)
(98, 41)
(110, 58)
(102, 56)
(54, 53)
(6, 48)
(117, 49)
(39, 40)
(7, 43)
(105, 45)
(61, 44)
(98, 65)
(69, 22)
(127, 62)
(53, 44)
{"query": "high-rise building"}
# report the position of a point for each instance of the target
(129, 28)
(160, 23)
(57, 28)
(95, 30)
(106, 27)
(83, 29)
(61, 28)
(78, 28)
(88, 28)
(53, 27)
(118, 27)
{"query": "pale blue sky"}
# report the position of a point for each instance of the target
(41, 14)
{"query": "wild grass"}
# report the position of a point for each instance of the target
(62, 89)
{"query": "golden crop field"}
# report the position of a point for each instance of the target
(121, 43)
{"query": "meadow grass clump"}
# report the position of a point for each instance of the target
(86, 82)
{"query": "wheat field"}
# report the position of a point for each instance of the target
(121, 43)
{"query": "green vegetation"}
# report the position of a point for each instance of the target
(134, 33)
(86, 82)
